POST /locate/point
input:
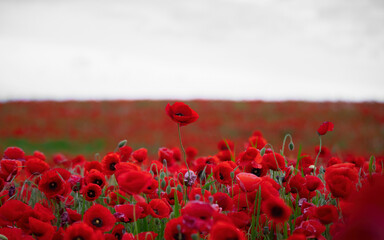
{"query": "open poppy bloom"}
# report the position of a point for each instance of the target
(99, 218)
(181, 113)
(325, 127)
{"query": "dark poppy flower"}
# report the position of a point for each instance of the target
(96, 177)
(109, 163)
(134, 182)
(340, 186)
(140, 155)
(79, 231)
(257, 141)
(222, 173)
(176, 230)
(297, 236)
(241, 203)
(225, 231)
(325, 127)
(276, 209)
(91, 192)
(39, 155)
(61, 159)
(327, 214)
(51, 184)
(40, 229)
(36, 166)
(176, 154)
(43, 213)
(99, 218)
(223, 200)
(118, 231)
(73, 215)
(159, 208)
(15, 153)
(128, 212)
(313, 183)
(125, 153)
(181, 113)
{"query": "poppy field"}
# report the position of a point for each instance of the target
(191, 172)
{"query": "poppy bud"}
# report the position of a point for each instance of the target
(291, 146)
(262, 151)
(211, 199)
(165, 163)
(162, 175)
(122, 143)
(168, 190)
(163, 183)
(179, 188)
(197, 196)
(232, 175)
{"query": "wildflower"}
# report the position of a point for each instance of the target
(325, 127)
(181, 113)
(99, 218)
(276, 209)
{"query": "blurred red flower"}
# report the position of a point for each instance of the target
(276, 209)
(181, 113)
(325, 127)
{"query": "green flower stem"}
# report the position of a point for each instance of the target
(182, 147)
(317, 157)
(285, 138)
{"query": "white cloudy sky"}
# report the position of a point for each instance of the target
(220, 49)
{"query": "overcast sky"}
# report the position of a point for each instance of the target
(216, 49)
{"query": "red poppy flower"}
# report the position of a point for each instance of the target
(13, 210)
(327, 214)
(109, 163)
(181, 113)
(140, 155)
(125, 153)
(270, 160)
(73, 215)
(159, 208)
(167, 155)
(199, 191)
(15, 153)
(36, 166)
(223, 200)
(9, 168)
(311, 228)
(241, 220)
(176, 229)
(276, 209)
(118, 231)
(225, 231)
(79, 231)
(93, 165)
(222, 173)
(51, 183)
(325, 127)
(96, 177)
(134, 182)
(146, 236)
(171, 196)
(223, 145)
(42, 230)
(91, 192)
(99, 218)
(12, 233)
(128, 212)
(248, 182)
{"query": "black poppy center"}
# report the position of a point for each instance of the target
(179, 236)
(112, 166)
(98, 182)
(97, 222)
(221, 176)
(91, 193)
(277, 211)
(78, 238)
(179, 114)
(256, 171)
(156, 211)
(52, 185)
(117, 236)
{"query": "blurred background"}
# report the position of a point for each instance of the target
(306, 51)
